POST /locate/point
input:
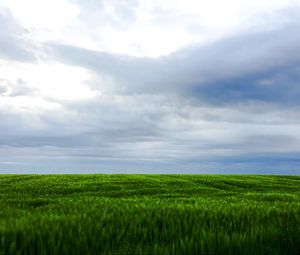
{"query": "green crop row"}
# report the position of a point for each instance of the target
(149, 214)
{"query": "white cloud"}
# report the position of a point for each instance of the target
(52, 80)
(140, 28)
(43, 14)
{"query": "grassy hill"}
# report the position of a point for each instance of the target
(149, 214)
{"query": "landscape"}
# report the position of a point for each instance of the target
(149, 127)
(149, 214)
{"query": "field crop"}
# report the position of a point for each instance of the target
(149, 214)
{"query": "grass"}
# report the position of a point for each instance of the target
(149, 214)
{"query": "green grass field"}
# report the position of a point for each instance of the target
(149, 214)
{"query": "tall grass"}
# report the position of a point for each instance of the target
(149, 214)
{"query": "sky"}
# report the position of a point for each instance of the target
(150, 86)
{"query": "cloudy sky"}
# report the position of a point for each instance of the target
(181, 86)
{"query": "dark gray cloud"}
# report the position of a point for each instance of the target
(277, 85)
(261, 66)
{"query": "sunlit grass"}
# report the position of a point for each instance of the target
(149, 214)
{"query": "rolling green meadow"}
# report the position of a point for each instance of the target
(149, 214)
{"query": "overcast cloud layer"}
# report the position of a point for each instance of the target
(150, 86)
